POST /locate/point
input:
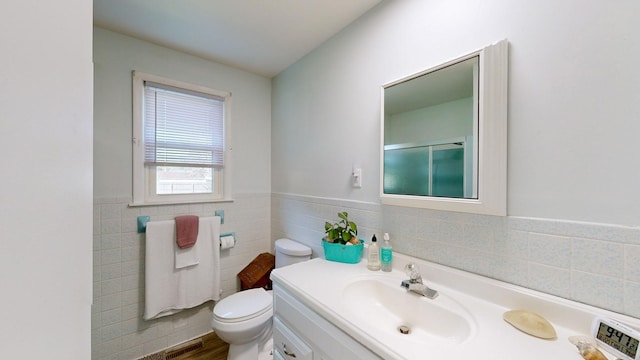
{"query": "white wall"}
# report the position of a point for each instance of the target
(573, 95)
(118, 331)
(46, 87)
(437, 122)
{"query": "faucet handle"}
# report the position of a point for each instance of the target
(411, 269)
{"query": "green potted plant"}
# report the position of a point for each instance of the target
(341, 241)
(343, 231)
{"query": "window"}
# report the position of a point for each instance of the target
(178, 142)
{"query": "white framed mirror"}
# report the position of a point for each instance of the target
(444, 135)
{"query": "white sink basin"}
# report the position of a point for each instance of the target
(382, 304)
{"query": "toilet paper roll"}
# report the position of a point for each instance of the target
(227, 242)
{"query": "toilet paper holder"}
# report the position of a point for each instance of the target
(227, 240)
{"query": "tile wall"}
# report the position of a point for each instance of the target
(597, 264)
(118, 331)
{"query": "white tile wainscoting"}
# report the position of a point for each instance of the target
(118, 330)
(596, 264)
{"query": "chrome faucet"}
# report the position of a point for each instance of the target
(414, 284)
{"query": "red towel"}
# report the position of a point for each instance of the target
(186, 231)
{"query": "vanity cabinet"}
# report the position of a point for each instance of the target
(301, 333)
(287, 344)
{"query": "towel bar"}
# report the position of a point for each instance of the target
(142, 223)
(142, 228)
(143, 220)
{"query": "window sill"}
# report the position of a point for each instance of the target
(160, 203)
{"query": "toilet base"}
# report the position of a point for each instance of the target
(250, 351)
(243, 351)
(267, 351)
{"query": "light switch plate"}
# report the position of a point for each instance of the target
(357, 177)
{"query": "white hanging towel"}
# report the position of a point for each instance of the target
(186, 257)
(169, 290)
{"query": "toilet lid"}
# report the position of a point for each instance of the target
(243, 305)
(290, 247)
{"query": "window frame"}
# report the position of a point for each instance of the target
(144, 177)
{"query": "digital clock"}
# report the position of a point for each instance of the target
(616, 338)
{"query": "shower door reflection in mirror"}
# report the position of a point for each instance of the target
(429, 169)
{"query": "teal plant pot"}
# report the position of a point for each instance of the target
(350, 254)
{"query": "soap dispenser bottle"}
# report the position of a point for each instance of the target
(373, 255)
(386, 254)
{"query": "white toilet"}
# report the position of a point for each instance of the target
(244, 319)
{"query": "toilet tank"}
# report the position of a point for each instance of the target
(290, 252)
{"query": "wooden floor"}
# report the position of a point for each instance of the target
(214, 349)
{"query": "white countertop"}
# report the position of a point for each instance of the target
(318, 284)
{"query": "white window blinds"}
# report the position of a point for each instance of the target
(182, 127)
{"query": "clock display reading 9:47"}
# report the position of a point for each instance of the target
(618, 340)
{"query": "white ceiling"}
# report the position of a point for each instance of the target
(260, 36)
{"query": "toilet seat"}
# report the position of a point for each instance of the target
(243, 305)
